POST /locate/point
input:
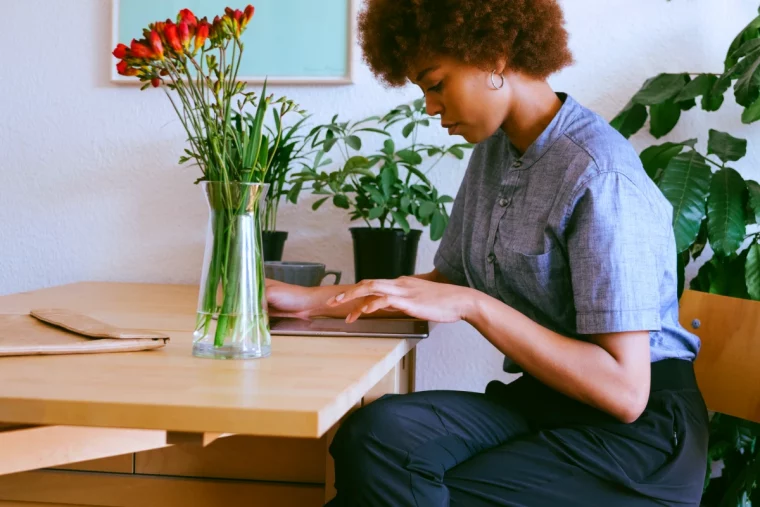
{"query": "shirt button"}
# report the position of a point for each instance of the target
(491, 258)
(518, 163)
(503, 202)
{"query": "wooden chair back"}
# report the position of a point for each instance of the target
(728, 364)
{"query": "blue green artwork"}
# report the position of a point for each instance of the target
(286, 41)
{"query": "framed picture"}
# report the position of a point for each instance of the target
(286, 42)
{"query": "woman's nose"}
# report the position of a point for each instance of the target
(433, 107)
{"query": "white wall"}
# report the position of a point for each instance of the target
(90, 188)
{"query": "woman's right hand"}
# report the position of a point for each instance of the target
(285, 300)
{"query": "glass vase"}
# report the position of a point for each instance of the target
(232, 321)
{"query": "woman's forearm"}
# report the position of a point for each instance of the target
(582, 370)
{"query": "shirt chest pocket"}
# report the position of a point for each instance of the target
(540, 283)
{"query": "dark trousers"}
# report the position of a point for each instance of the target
(524, 444)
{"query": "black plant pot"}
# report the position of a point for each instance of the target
(384, 253)
(273, 244)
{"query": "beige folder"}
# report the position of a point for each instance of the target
(55, 331)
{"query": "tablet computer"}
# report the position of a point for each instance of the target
(379, 328)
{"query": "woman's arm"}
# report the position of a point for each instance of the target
(610, 372)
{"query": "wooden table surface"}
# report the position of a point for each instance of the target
(301, 390)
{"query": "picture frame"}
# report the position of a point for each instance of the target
(318, 48)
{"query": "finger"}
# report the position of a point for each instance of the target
(381, 303)
(367, 288)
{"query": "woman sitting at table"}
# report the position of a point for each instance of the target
(561, 252)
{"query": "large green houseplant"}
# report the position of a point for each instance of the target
(384, 188)
(713, 205)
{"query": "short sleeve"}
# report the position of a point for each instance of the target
(448, 258)
(613, 240)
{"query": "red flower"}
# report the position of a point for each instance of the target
(188, 17)
(155, 42)
(121, 51)
(247, 15)
(123, 69)
(202, 34)
(170, 32)
(138, 50)
(184, 34)
(156, 82)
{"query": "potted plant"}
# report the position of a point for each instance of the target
(290, 152)
(196, 63)
(713, 205)
(384, 189)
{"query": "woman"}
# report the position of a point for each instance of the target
(560, 251)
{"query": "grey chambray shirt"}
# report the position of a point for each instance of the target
(573, 234)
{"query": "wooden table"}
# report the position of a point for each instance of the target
(160, 428)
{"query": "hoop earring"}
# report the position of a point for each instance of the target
(493, 81)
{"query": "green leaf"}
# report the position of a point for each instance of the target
(400, 219)
(752, 271)
(294, 191)
(354, 142)
(747, 72)
(405, 203)
(419, 104)
(713, 100)
(630, 120)
(700, 243)
(408, 129)
(375, 194)
(754, 198)
(656, 158)
(685, 183)
(438, 226)
(445, 199)
(374, 130)
(727, 147)
(751, 113)
(329, 143)
(354, 163)
(664, 117)
(318, 203)
(376, 212)
(457, 152)
(660, 89)
(410, 157)
(726, 221)
(387, 179)
(389, 147)
(726, 277)
(426, 209)
(697, 87)
(749, 32)
(341, 201)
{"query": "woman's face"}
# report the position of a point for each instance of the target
(463, 96)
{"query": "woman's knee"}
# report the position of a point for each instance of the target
(366, 426)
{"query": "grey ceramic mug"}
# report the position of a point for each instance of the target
(306, 274)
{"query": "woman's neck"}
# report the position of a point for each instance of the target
(533, 107)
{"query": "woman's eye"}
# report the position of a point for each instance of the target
(436, 88)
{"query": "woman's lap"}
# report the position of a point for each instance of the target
(448, 447)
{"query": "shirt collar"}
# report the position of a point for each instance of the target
(566, 115)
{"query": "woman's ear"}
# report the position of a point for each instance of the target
(501, 66)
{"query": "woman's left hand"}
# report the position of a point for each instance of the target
(421, 299)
